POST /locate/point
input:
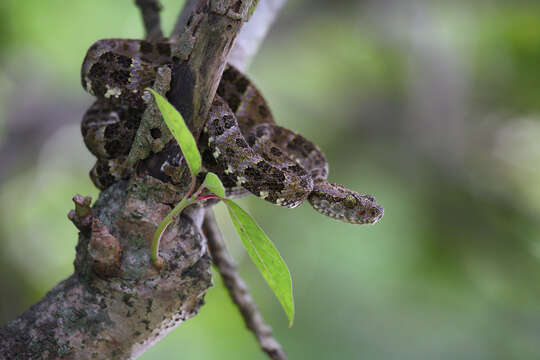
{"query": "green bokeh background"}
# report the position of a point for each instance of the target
(432, 106)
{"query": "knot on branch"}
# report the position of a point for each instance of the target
(82, 215)
(104, 250)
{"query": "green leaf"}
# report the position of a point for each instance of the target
(180, 131)
(265, 256)
(212, 183)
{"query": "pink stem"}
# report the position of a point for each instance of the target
(206, 197)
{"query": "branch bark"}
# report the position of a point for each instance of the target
(210, 29)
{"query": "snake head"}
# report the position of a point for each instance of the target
(343, 204)
(361, 209)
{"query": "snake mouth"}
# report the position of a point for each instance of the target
(373, 214)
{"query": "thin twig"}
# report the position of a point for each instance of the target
(182, 20)
(238, 290)
(150, 13)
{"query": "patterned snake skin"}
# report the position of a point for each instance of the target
(240, 141)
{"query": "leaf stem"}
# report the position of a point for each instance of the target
(206, 197)
(163, 226)
(191, 198)
(212, 183)
(192, 187)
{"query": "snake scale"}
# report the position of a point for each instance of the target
(240, 141)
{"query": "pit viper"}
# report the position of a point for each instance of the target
(240, 141)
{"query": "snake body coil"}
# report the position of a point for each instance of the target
(240, 141)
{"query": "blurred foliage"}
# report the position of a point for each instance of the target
(451, 271)
(507, 43)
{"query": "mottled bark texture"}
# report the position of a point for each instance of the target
(210, 29)
(116, 304)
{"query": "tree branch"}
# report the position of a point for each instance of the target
(238, 290)
(182, 20)
(207, 38)
(116, 305)
(150, 14)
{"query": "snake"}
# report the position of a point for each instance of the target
(240, 141)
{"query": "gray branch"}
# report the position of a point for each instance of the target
(206, 38)
(150, 14)
(185, 14)
(238, 290)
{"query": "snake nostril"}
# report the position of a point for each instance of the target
(155, 133)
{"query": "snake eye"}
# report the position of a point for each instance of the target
(350, 201)
(374, 212)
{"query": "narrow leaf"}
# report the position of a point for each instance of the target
(265, 256)
(180, 131)
(212, 183)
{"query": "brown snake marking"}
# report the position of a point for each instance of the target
(240, 142)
